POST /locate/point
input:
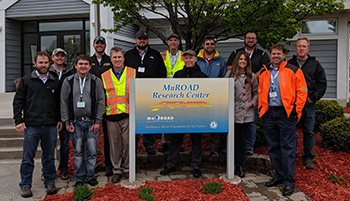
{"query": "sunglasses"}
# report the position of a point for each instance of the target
(207, 44)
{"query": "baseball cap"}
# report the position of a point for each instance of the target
(141, 34)
(58, 50)
(173, 35)
(191, 52)
(99, 38)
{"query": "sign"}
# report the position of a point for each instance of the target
(195, 105)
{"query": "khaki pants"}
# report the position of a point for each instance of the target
(118, 135)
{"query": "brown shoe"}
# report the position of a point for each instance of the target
(116, 178)
(42, 177)
(26, 192)
(309, 165)
(65, 176)
(51, 189)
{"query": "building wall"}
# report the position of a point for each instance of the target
(13, 53)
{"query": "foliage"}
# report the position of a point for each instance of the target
(327, 110)
(335, 179)
(348, 104)
(272, 20)
(145, 193)
(212, 187)
(336, 134)
(260, 137)
(82, 192)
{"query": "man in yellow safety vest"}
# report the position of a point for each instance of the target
(116, 84)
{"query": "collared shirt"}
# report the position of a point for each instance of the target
(44, 79)
(274, 90)
(142, 54)
(173, 58)
(53, 69)
(117, 74)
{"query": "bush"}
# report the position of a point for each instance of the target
(212, 188)
(327, 110)
(145, 193)
(260, 137)
(336, 134)
(82, 192)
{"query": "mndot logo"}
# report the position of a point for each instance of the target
(213, 125)
(165, 118)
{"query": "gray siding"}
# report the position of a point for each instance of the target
(13, 53)
(37, 8)
(128, 31)
(125, 45)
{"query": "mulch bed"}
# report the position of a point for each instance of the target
(313, 183)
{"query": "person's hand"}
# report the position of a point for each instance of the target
(309, 100)
(20, 127)
(59, 126)
(95, 128)
(250, 105)
(70, 128)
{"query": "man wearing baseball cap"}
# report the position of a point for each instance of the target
(148, 64)
(190, 70)
(101, 62)
(61, 70)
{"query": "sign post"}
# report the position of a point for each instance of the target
(194, 105)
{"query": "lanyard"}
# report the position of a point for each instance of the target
(81, 88)
(273, 78)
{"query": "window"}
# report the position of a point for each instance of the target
(319, 27)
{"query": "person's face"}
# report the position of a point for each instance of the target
(209, 46)
(117, 59)
(42, 64)
(83, 67)
(141, 43)
(173, 43)
(99, 47)
(190, 60)
(242, 62)
(250, 40)
(59, 58)
(302, 48)
(277, 56)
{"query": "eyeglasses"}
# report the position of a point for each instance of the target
(250, 38)
(207, 44)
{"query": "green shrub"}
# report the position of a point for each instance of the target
(212, 188)
(260, 137)
(336, 134)
(327, 110)
(145, 193)
(82, 192)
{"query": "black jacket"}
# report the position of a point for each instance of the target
(187, 72)
(39, 102)
(315, 77)
(65, 73)
(258, 58)
(98, 69)
(152, 64)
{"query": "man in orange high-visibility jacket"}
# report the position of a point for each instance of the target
(116, 84)
(173, 60)
(282, 96)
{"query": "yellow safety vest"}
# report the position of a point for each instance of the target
(117, 91)
(179, 65)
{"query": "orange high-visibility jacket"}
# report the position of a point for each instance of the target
(293, 89)
(117, 91)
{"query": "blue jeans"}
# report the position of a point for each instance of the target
(83, 137)
(307, 121)
(64, 150)
(251, 134)
(48, 137)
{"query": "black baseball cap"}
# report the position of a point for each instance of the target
(141, 34)
(99, 38)
(173, 35)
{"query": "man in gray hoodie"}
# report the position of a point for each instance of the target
(82, 108)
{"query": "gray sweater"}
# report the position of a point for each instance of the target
(86, 111)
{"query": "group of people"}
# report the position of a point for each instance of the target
(54, 99)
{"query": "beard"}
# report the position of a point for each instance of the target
(142, 47)
(250, 46)
(42, 71)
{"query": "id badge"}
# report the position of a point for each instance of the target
(141, 69)
(273, 94)
(80, 104)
